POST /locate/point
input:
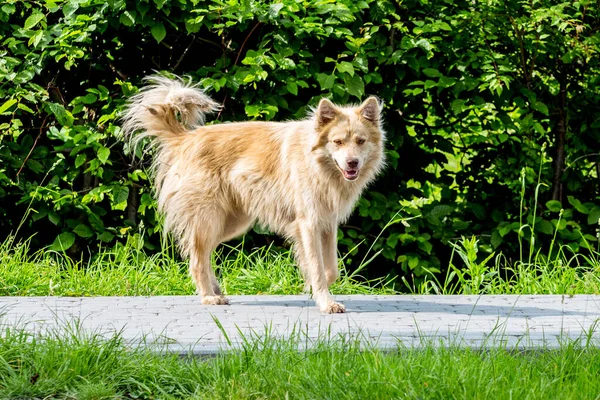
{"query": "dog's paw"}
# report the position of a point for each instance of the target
(215, 300)
(335, 308)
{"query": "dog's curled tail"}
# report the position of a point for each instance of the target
(165, 108)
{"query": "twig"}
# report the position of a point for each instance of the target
(32, 147)
(244, 43)
(237, 58)
(579, 158)
(424, 123)
(184, 53)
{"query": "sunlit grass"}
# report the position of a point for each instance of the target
(127, 270)
(73, 365)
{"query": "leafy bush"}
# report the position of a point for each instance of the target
(491, 112)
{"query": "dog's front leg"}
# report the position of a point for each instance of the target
(310, 245)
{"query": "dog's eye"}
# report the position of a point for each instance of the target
(337, 142)
(360, 141)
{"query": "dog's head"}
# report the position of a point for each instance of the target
(351, 136)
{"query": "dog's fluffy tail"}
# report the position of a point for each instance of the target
(165, 108)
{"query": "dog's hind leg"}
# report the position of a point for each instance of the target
(330, 261)
(201, 269)
(302, 266)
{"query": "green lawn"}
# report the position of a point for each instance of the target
(127, 270)
(74, 366)
(71, 365)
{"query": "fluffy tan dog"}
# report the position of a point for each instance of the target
(299, 179)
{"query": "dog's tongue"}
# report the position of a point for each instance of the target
(351, 174)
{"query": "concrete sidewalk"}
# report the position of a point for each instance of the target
(183, 324)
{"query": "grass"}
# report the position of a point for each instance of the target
(127, 270)
(72, 365)
(566, 273)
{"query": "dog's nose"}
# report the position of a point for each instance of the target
(352, 163)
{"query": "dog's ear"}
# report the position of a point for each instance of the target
(326, 112)
(370, 109)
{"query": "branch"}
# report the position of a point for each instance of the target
(244, 43)
(33, 147)
(184, 53)
(236, 61)
(519, 35)
(581, 157)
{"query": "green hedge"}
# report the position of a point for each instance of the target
(483, 101)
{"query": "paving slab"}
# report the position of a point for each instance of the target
(183, 324)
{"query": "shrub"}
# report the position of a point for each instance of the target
(478, 96)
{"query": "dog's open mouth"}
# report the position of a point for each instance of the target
(349, 174)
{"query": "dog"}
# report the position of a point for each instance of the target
(300, 179)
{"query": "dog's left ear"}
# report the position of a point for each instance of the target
(370, 109)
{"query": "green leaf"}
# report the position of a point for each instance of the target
(89, 98)
(252, 110)
(83, 231)
(594, 216)
(326, 81)
(96, 222)
(432, 73)
(158, 32)
(146, 200)
(329, 81)
(496, 239)
(413, 262)
(25, 108)
(443, 26)
(64, 117)
(292, 87)
(440, 211)
(120, 198)
(429, 84)
(127, 18)
(35, 166)
(8, 9)
(541, 107)
(425, 246)
(544, 227)
(446, 81)
(106, 236)
(458, 106)
(33, 20)
(7, 104)
(63, 242)
(553, 205)
(355, 85)
(36, 38)
(577, 205)
(53, 217)
(345, 66)
(424, 44)
(478, 210)
(80, 160)
(275, 8)
(103, 154)
(413, 63)
(70, 8)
